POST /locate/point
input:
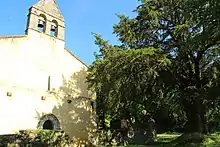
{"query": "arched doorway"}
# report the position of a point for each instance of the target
(49, 122)
(48, 125)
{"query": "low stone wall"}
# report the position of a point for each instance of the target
(8, 139)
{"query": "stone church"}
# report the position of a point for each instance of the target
(42, 84)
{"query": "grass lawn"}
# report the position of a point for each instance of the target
(164, 139)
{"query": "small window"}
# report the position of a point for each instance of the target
(41, 26)
(49, 84)
(54, 28)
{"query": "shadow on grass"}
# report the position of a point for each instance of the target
(194, 140)
(161, 140)
(165, 140)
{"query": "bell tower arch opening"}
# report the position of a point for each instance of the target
(54, 28)
(41, 26)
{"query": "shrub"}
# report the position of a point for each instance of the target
(42, 138)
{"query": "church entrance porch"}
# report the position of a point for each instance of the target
(49, 122)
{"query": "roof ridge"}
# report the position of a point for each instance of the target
(13, 36)
(76, 57)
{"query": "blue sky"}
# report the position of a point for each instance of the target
(82, 17)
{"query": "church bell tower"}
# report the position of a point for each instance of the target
(45, 17)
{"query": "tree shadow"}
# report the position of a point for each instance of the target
(75, 110)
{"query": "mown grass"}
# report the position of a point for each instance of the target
(212, 140)
(162, 140)
(165, 139)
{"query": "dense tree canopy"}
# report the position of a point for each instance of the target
(169, 56)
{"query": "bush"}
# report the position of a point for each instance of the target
(105, 138)
(43, 138)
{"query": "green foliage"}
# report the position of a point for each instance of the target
(169, 56)
(52, 137)
(102, 138)
(213, 140)
(127, 77)
(39, 138)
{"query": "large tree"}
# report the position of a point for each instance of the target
(168, 52)
(126, 80)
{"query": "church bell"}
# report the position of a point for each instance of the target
(53, 28)
(41, 24)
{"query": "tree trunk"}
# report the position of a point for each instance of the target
(203, 119)
(194, 123)
(100, 110)
(196, 118)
